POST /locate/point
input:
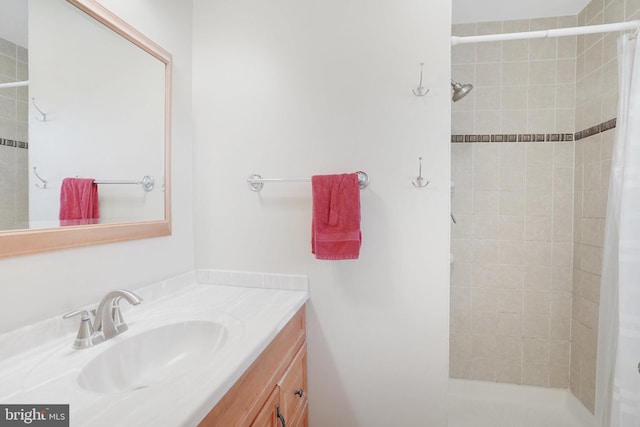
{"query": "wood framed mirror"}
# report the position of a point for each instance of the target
(89, 125)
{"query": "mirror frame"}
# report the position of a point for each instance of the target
(31, 241)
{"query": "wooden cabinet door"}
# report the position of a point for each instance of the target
(293, 389)
(301, 419)
(268, 415)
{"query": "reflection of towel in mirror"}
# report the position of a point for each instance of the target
(335, 228)
(79, 199)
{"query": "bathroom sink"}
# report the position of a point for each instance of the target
(139, 361)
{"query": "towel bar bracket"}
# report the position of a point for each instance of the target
(363, 179)
(255, 182)
(147, 183)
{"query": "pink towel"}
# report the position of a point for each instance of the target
(79, 201)
(335, 227)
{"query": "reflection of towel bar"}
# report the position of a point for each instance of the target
(146, 182)
(256, 182)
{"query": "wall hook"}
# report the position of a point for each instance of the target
(43, 116)
(419, 181)
(420, 90)
(44, 181)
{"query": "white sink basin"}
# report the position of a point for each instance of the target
(151, 356)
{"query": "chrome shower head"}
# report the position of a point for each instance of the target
(460, 90)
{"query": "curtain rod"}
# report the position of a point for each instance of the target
(14, 84)
(560, 32)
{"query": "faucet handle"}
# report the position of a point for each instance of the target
(83, 313)
(85, 332)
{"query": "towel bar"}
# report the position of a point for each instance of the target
(146, 182)
(256, 182)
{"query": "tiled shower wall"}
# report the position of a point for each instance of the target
(520, 86)
(513, 202)
(14, 198)
(511, 276)
(594, 100)
(592, 167)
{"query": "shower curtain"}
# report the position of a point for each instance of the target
(618, 373)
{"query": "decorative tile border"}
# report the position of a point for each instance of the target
(538, 137)
(594, 130)
(515, 137)
(12, 143)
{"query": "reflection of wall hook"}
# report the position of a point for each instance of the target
(419, 181)
(44, 181)
(420, 90)
(43, 116)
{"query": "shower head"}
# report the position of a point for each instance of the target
(460, 90)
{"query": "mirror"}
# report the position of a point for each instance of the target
(99, 106)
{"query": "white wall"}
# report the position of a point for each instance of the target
(39, 286)
(290, 89)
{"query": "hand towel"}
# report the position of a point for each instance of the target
(79, 201)
(335, 226)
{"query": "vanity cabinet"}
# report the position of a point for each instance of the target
(273, 388)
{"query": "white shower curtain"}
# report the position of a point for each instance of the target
(618, 374)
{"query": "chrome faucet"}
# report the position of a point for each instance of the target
(108, 321)
(108, 313)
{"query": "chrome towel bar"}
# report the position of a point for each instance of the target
(147, 182)
(256, 182)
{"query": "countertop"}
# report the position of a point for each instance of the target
(48, 374)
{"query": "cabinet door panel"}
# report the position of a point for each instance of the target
(268, 415)
(293, 386)
(301, 418)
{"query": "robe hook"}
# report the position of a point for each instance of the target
(419, 181)
(420, 90)
(44, 181)
(43, 116)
